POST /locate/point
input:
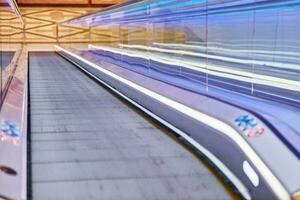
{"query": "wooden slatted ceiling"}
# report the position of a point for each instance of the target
(43, 25)
(53, 1)
(68, 2)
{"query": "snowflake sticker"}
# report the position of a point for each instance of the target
(10, 133)
(249, 126)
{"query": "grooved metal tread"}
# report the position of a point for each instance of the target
(88, 144)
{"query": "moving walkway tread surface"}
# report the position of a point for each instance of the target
(88, 144)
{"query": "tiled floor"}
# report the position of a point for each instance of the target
(88, 144)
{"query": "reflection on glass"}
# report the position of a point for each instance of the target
(8, 18)
(245, 46)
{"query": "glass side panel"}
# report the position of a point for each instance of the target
(8, 49)
(239, 46)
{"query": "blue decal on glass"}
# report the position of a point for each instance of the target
(245, 122)
(10, 129)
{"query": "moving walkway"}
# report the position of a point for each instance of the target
(88, 143)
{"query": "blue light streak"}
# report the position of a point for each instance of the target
(151, 10)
